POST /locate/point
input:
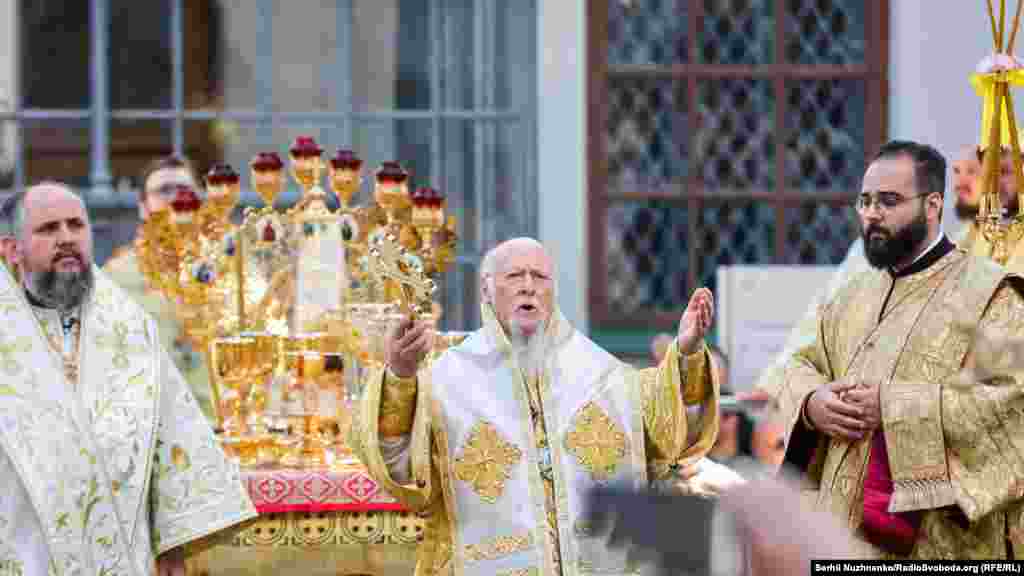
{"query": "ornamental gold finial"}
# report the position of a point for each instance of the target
(345, 179)
(992, 81)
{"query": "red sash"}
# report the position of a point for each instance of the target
(895, 533)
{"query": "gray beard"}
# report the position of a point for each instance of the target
(61, 290)
(530, 352)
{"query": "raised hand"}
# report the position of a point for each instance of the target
(407, 343)
(696, 321)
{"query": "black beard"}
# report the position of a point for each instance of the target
(61, 290)
(889, 250)
(965, 212)
(1012, 207)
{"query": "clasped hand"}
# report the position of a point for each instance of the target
(846, 409)
(407, 343)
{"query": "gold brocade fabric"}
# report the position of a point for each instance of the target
(952, 451)
(533, 386)
(651, 430)
(382, 543)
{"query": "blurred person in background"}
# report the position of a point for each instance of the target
(7, 241)
(966, 169)
(768, 442)
(659, 346)
(158, 185)
(761, 528)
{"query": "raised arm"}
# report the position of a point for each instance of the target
(682, 384)
(391, 422)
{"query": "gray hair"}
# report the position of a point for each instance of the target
(493, 257)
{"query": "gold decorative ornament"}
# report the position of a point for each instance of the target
(597, 441)
(486, 461)
(999, 135)
(251, 293)
(498, 547)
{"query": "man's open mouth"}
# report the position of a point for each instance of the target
(526, 308)
(69, 258)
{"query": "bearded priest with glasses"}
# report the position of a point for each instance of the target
(881, 425)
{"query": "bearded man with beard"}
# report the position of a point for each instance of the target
(1009, 198)
(966, 169)
(498, 441)
(879, 425)
(107, 463)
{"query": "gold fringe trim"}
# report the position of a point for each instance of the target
(910, 495)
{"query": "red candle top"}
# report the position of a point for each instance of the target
(346, 160)
(267, 162)
(185, 199)
(269, 234)
(305, 147)
(392, 172)
(426, 197)
(222, 174)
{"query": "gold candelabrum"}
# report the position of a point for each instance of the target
(1001, 231)
(291, 305)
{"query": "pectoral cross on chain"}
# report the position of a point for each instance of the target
(69, 327)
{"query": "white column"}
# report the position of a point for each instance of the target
(8, 78)
(561, 148)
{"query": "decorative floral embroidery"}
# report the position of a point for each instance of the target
(486, 461)
(597, 442)
(498, 547)
(531, 571)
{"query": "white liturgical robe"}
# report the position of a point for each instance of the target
(106, 466)
(503, 478)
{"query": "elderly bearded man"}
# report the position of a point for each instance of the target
(106, 460)
(916, 463)
(499, 440)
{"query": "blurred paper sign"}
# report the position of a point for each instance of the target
(758, 306)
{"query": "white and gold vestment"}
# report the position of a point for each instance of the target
(503, 479)
(105, 458)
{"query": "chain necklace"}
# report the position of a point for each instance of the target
(70, 327)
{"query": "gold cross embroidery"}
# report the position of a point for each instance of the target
(596, 441)
(486, 461)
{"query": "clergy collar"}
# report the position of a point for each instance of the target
(939, 248)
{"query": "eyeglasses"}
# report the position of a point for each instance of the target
(884, 201)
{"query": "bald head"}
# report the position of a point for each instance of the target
(518, 281)
(53, 244)
(41, 196)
